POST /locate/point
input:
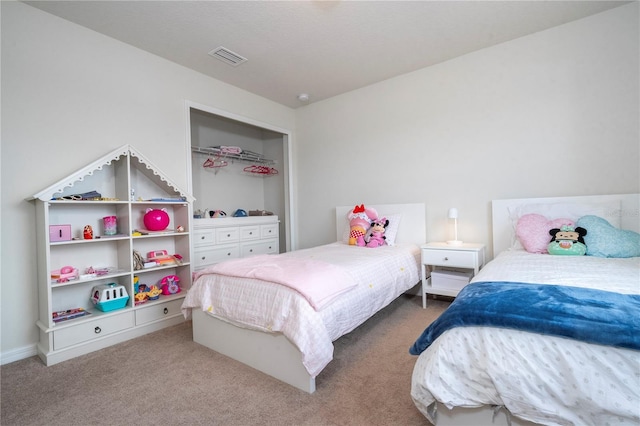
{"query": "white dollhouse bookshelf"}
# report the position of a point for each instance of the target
(128, 185)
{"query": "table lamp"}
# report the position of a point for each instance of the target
(453, 214)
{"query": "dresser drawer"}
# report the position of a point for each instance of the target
(215, 255)
(158, 311)
(259, 247)
(458, 259)
(269, 231)
(204, 238)
(90, 330)
(227, 235)
(248, 233)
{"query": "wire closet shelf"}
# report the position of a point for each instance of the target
(243, 156)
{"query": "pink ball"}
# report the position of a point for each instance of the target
(156, 220)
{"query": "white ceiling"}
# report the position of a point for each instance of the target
(323, 48)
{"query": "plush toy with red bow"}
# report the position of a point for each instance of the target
(360, 219)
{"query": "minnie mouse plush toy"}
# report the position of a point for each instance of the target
(376, 237)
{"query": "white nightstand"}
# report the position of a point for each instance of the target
(464, 256)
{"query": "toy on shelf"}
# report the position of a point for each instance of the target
(92, 272)
(156, 219)
(140, 298)
(65, 274)
(154, 292)
(162, 258)
(59, 233)
(110, 224)
(69, 314)
(88, 232)
(170, 285)
(109, 297)
(87, 196)
(140, 291)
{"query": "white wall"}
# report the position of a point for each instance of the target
(554, 113)
(70, 95)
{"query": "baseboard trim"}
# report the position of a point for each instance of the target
(18, 354)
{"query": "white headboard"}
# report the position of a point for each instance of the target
(412, 224)
(503, 221)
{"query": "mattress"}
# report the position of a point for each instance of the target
(380, 274)
(544, 379)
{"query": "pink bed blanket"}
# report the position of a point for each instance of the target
(317, 281)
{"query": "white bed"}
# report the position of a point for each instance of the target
(274, 329)
(469, 374)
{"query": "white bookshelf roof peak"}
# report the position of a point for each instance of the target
(137, 160)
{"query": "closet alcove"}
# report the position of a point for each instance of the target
(238, 163)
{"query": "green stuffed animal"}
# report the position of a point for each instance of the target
(567, 241)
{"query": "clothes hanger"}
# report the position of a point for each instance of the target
(214, 163)
(260, 170)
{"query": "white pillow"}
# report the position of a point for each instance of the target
(609, 210)
(392, 229)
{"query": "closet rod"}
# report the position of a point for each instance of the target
(246, 156)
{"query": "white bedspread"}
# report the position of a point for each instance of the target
(544, 379)
(381, 275)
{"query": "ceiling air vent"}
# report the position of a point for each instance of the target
(227, 56)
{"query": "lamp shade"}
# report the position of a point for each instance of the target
(453, 213)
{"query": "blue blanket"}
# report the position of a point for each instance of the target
(593, 316)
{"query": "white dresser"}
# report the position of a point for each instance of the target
(219, 239)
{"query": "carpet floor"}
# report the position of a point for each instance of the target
(164, 378)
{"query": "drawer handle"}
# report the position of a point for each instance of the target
(204, 257)
(228, 254)
(446, 258)
(228, 235)
(97, 330)
(250, 250)
(250, 233)
(166, 311)
(202, 238)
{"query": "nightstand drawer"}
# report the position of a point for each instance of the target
(458, 259)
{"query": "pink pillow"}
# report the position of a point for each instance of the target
(533, 231)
